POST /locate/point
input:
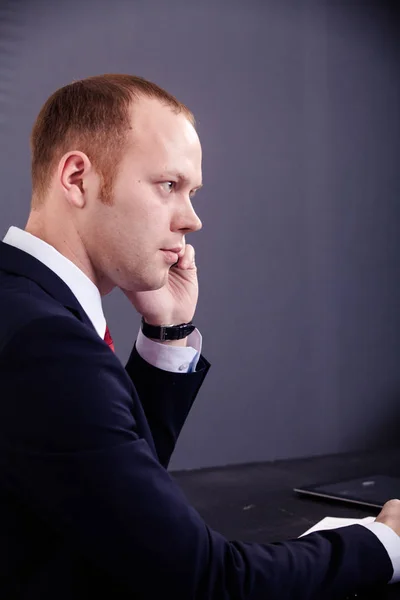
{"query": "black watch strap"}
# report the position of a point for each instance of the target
(167, 332)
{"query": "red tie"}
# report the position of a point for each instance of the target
(108, 339)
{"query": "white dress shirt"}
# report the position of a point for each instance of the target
(169, 358)
(177, 359)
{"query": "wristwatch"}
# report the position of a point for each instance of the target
(167, 332)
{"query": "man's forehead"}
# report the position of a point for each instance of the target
(153, 120)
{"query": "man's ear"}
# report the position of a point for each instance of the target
(73, 171)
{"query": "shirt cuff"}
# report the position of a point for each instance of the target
(391, 542)
(176, 359)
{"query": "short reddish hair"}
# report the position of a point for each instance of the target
(90, 115)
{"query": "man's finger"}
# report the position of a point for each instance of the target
(188, 259)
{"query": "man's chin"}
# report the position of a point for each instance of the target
(154, 285)
(161, 282)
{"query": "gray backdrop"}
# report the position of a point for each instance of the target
(297, 104)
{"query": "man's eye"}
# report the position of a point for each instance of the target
(168, 186)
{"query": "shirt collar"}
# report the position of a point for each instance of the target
(80, 285)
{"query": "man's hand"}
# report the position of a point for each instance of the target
(390, 515)
(176, 301)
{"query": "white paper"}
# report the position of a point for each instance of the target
(334, 522)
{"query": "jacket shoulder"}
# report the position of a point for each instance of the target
(22, 302)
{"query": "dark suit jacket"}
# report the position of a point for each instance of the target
(87, 507)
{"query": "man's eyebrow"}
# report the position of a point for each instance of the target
(182, 178)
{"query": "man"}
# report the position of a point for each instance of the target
(88, 508)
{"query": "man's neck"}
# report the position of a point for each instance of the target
(65, 240)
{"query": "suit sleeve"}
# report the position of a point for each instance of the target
(166, 399)
(72, 450)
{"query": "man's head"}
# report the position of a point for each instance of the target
(115, 163)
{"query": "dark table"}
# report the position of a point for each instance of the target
(255, 503)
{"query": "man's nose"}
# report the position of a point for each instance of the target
(189, 220)
(197, 224)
